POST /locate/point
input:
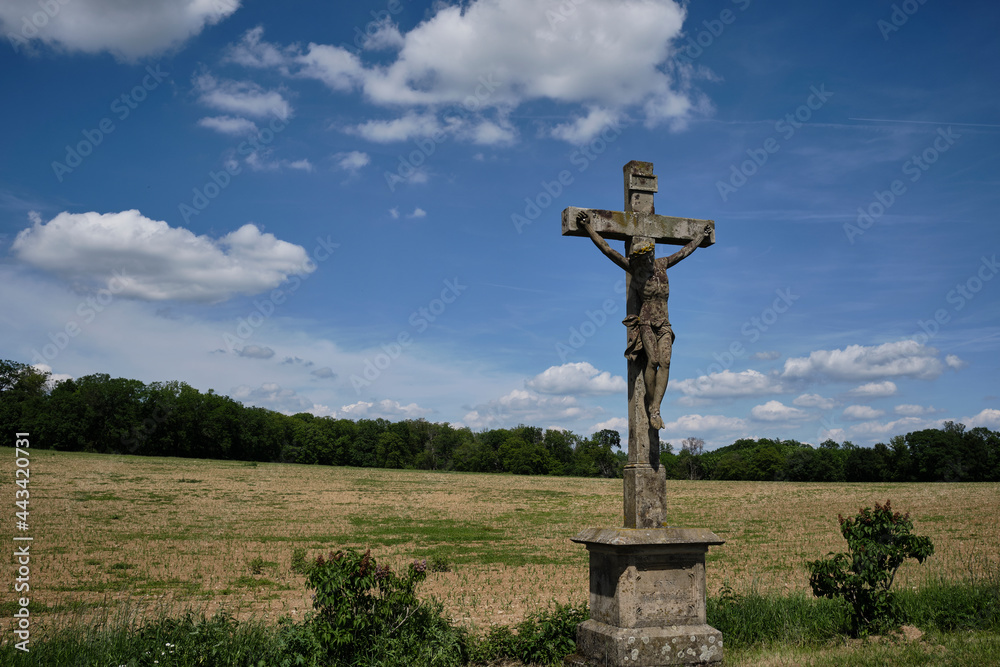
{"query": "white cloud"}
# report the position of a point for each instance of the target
(908, 410)
(54, 378)
(302, 165)
(134, 256)
(814, 401)
(410, 126)
(352, 161)
(693, 424)
(394, 212)
(585, 128)
(768, 355)
(955, 362)
(229, 124)
(874, 429)
(251, 51)
(272, 396)
(260, 161)
(619, 424)
(241, 97)
(728, 384)
(129, 30)
(773, 411)
(255, 352)
(906, 358)
(386, 409)
(874, 389)
(324, 373)
(862, 412)
(417, 213)
(524, 406)
(989, 418)
(579, 379)
(489, 55)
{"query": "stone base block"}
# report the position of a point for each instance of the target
(602, 644)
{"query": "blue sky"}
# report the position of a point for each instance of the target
(355, 211)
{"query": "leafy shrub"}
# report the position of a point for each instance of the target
(367, 614)
(879, 540)
(545, 638)
(299, 564)
(440, 564)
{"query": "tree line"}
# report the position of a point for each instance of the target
(98, 413)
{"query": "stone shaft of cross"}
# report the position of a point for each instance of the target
(649, 336)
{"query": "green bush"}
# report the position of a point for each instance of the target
(545, 638)
(879, 540)
(366, 614)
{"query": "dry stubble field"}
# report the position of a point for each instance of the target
(163, 534)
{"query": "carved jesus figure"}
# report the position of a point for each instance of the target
(649, 332)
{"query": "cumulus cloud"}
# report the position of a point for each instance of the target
(874, 429)
(272, 396)
(351, 161)
(609, 56)
(908, 410)
(229, 125)
(579, 379)
(988, 418)
(411, 125)
(128, 30)
(886, 388)
(255, 352)
(584, 128)
(862, 412)
(252, 51)
(773, 411)
(906, 358)
(954, 362)
(705, 423)
(324, 373)
(417, 213)
(386, 409)
(524, 406)
(241, 97)
(136, 257)
(814, 401)
(619, 424)
(54, 378)
(729, 384)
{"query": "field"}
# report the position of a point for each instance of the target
(161, 534)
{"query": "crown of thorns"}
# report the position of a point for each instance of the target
(644, 249)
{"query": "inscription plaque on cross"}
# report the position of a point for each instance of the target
(649, 336)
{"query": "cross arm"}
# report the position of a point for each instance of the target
(620, 226)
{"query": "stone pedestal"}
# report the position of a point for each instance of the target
(647, 598)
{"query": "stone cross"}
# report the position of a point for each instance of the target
(639, 227)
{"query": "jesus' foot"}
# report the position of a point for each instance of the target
(655, 421)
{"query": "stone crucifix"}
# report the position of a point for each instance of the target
(649, 335)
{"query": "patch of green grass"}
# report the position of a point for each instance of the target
(87, 496)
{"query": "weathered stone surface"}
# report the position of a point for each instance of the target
(645, 496)
(620, 226)
(599, 644)
(647, 578)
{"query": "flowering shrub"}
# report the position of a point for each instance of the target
(879, 540)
